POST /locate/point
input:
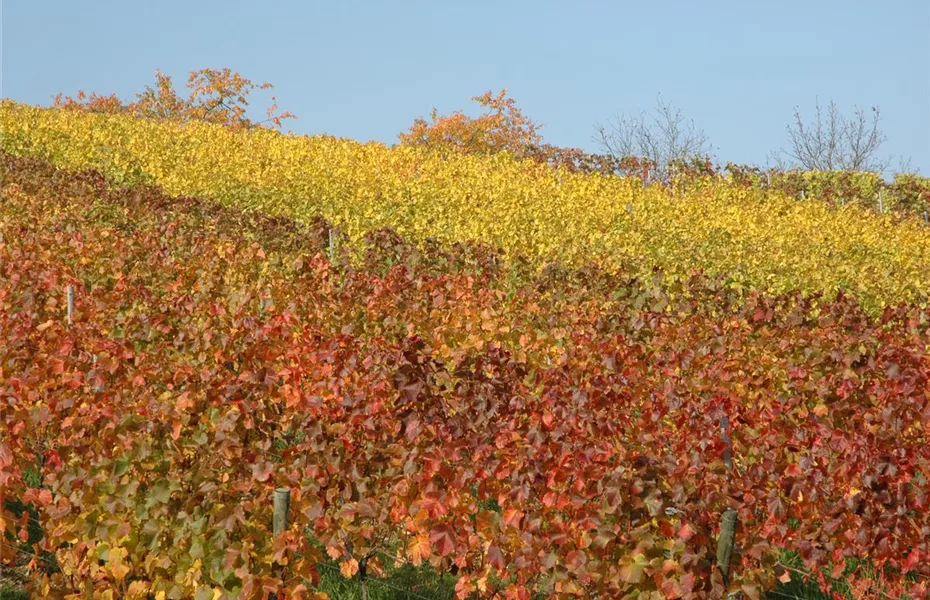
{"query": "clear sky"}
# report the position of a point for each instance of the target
(366, 69)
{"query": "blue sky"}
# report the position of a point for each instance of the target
(366, 69)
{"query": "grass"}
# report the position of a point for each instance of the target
(404, 583)
(13, 592)
(407, 582)
(425, 583)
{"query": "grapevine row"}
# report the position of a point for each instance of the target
(757, 238)
(557, 435)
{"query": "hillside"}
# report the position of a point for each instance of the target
(553, 432)
(756, 239)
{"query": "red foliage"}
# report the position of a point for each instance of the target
(559, 434)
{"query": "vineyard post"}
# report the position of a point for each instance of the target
(332, 245)
(926, 217)
(881, 204)
(70, 304)
(727, 539)
(281, 504)
(98, 387)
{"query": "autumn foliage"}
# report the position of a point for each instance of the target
(216, 96)
(757, 237)
(554, 433)
(535, 411)
(504, 128)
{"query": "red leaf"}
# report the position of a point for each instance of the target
(463, 588)
(44, 497)
(913, 559)
(443, 540)
(496, 557)
(512, 517)
(261, 471)
(53, 459)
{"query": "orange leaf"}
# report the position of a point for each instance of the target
(418, 549)
(512, 517)
(348, 568)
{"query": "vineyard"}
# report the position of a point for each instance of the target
(544, 384)
(758, 239)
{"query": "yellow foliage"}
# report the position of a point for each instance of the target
(757, 239)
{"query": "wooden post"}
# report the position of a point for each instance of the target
(332, 245)
(881, 204)
(363, 576)
(728, 448)
(629, 207)
(98, 387)
(727, 540)
(802, 194)
(70, 304)
(282, 502)
(926, 217)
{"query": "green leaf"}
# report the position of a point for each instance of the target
(120, 466)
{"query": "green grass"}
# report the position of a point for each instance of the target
(404, 583)
(407, 582)
(12, 592)
(422, 583)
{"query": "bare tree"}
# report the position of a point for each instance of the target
(833, 141)
(662, 137)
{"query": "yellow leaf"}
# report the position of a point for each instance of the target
(115, 564)
(348, 568)
(138, 590)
